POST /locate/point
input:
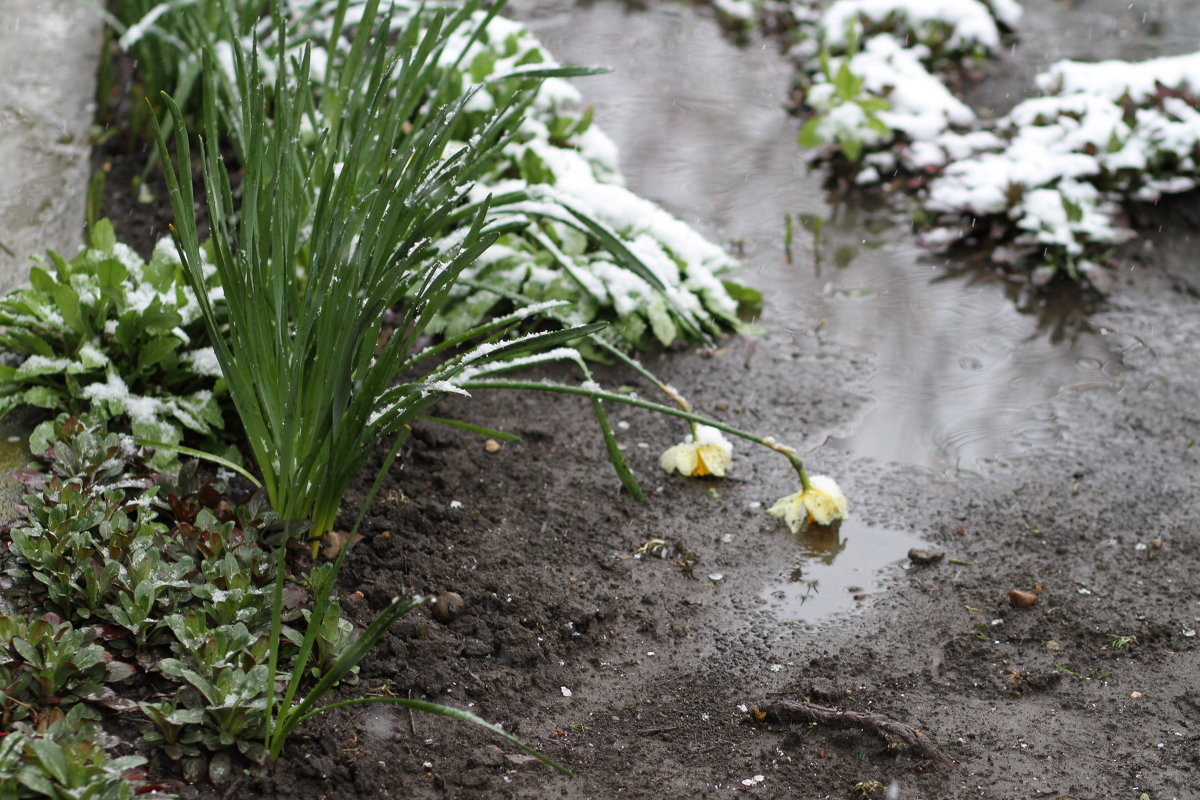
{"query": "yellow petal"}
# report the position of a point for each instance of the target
(681, 457)
(791, 508)
(713, 459)
(825, 501)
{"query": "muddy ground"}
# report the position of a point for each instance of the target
(640, 674)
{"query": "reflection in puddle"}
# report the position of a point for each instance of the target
(963, 370)
(962, 374)
(833, 567)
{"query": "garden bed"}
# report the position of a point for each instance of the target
(641, 673)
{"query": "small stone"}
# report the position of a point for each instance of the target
(1156, 544)
(520, 760)
(920, 555)
(1135, 695)
(333, 542)
(1021, 598)
(1053, 645)
(448, 607)
(492, 446)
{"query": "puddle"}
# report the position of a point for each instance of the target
(960, 377)
(834, 568)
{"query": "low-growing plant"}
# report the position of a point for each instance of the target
(64, 760)
(845, 115)
(175, 730)
(233, 701)
(47, 664)
(114, 336)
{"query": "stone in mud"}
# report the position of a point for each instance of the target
(920, 555)
(1021, 598)
(448, 607)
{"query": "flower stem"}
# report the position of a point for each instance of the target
(790, 452)
(666, 388)
(637, 402)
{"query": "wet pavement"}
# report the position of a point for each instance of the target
(49, 52)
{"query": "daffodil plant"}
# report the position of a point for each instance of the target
(309, 366)
(706, 451)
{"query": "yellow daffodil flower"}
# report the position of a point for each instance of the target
(821, 503)
(707, 452)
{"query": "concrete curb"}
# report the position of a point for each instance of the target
(49, 52)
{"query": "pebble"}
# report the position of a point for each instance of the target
(492, 446)
(1021, 598)
(333, 542)
(919, 555)
(448, 607)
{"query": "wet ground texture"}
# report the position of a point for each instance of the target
(1044, 444)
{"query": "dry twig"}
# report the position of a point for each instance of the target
(792, 711)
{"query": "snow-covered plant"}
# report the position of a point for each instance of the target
(1057, 169)
(575, 232)
(115, 336)
(949, 31)
(579, 235)
(844, 115)
(905, 47)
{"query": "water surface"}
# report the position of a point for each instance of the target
(964, 369)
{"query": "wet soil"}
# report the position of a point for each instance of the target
(641, 672)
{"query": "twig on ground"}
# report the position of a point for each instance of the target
(792, 711)
(659, 729)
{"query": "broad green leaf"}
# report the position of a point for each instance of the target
(41, 280)
(808, 133)
(156, 350)
(111, 272)
(42, 397)
(67, 301)
(103, 236)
